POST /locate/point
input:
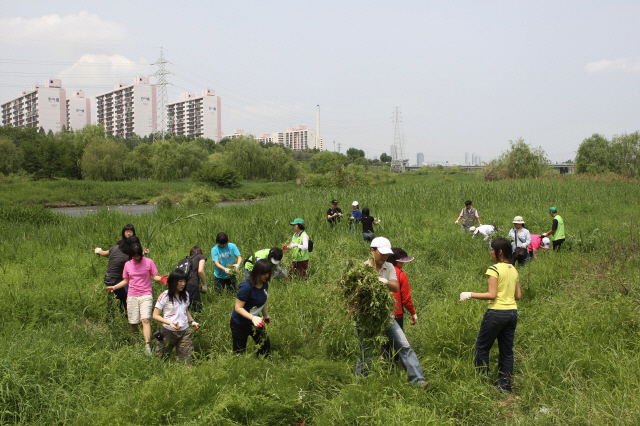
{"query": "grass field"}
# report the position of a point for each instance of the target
(64, 361)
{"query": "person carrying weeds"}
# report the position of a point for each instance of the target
(300, 245)
(223, 255)
(500, 320)
(251, 301)
(380, 250)
(173, 304)
(355, 216)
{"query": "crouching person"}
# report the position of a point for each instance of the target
(173, 304)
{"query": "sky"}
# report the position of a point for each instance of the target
(466, 76)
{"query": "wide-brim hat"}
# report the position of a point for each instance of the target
(297, 221)
(519, 220)
(405, 259)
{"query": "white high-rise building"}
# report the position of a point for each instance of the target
(299, 138)
(197, 116)
(236, 134)
(265, 138)
(78, 111)
(42, 106)
(129, 109)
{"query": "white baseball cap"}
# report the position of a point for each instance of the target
(355, 203)
(473, 228)
(382, 244)
(546, 241)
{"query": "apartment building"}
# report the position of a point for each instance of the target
(236, 134)
(42, 106)
(298, 138)
(78, 111)
(128, 109)
(197, 116)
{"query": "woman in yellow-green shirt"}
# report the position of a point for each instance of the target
(501, 318)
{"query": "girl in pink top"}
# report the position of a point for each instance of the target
(137, 274)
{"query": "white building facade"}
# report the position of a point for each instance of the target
(42, 106)
(128, 110)
(298, 138)
(236, 134)
(78, 111)
(196, 116)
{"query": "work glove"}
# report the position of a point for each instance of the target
(227, 271)
(109, 289)
(383, 280)
(195, 325)
(267, 320)
(292, 245)
(145, 251)
(164, 279)
(415, 319)
(257, 321)
(175, 325)
(203, 289)
(456, 222)
(97, 250)
(465, 295)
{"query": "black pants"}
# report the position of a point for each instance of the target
(557, 244)
(497, 325)
(195, 300)
(240, 334)
(220, 284)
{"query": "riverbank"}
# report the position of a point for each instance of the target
(76, 193)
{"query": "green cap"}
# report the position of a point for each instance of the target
(298, 220)
(553, 210)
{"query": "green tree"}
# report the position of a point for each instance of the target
(626, 154)
(326, 161)
(519, 162)
(11, 158)
(139, 163)
(103, 160)
(385, 158)
(594, 155)
(354, 152)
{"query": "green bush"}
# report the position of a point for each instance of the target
(519, 162)
(223, 176)
(200, 197)
(165, 202)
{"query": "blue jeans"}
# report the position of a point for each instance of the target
(399, 342)
(500, 325)
(368, 236)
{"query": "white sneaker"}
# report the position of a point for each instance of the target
(148, 350)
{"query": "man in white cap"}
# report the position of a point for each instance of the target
(380, 250)
(356, 215)
(274, 255)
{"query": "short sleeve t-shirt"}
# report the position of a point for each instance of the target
(357, 214)
(139, 276)
(536, 240)
(507, 278)
(224, 255)
(174, 311)
(367, 223)
(260, 254)
(194, 279)
(117, 259)
(333, 211)
(254, 300)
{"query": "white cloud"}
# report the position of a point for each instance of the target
(83, 28)
(629, 64)
(103, 71)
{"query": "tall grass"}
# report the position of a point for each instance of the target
(64, 361)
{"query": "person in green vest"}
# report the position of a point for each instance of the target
(273, 255)
(300, 245)
(556, 235)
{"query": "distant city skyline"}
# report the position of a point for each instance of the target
(467, 77)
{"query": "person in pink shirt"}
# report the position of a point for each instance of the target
(137, 274)
(536, 242)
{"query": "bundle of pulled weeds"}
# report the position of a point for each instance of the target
(367, 299)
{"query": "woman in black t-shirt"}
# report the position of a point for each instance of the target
(367, 225)
(196, 277)
(118, 255)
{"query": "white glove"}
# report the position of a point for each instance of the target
(257, 321)
(195, 325)
(227, 271)
(456, 222)
(175, 325)
(465, 295)
(203, 289)
(415, 319)
(97, 250)
(383, 280)
(292, 245)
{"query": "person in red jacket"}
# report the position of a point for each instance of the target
(403, 295)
